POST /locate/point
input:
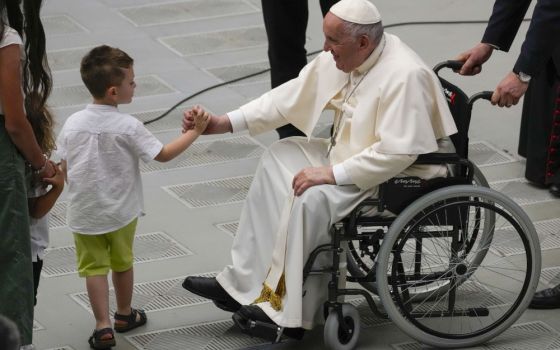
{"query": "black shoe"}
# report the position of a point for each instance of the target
(546, 299)
(554, 189)
(208, 287)
(254, 321)
(229, 306)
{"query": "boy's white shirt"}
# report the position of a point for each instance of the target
(102, 148)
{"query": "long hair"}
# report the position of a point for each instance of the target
(36, 80)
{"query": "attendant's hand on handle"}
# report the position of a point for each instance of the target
(312, 176)
(474, 59)
(509, 91)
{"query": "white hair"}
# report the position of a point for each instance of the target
(373, 31)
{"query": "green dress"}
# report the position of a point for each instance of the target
(16, 271)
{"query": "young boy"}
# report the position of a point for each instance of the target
(100, 149)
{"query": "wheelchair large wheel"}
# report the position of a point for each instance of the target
(486, 287)
(361, 259)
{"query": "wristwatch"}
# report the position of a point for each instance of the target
(523, 77)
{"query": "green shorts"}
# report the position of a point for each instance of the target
(97, 254)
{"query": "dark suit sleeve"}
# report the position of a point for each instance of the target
(504, 22)
(543, 38)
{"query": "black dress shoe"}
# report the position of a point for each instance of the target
(254, 321)
(229, 306)
(554, 189)
(546, 299)
(208, 287)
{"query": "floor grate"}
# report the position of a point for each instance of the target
(221, 335)
(147, 247)
(367, 317)
(550, 276)
(67, 59)
(233, 72)
(153, 296)
(252, 90)
(521, 192)
(184, 11)
(214, 42)
(171, 121)
(547, 230)
(73, 95)
(211, 193)
(484, 154)
(57, 215)
(522, 336)
(229, 227)
(210, 152)
(61, 25)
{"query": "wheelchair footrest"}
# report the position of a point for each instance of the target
(470, 312)
(269, 331)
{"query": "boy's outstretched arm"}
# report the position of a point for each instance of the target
(40, 206)
(181, 143)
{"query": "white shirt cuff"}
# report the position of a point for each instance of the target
(494, 46)
(237, 120)
(341, 177)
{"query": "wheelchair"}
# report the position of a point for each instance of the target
(455, 266)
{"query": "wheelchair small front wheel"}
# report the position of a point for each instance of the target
(338, 336)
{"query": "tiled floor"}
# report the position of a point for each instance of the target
(193, 203)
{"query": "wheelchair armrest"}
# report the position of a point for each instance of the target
(439, 158)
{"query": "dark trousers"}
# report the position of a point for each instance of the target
(539, 139)
(37, 267)
(286, 23)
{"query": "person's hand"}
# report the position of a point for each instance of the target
(48, 170)
(216, 124)
(57, 180)
(474, 59)
(188, 119)
(200, 119)
(509, 91)
(312, 176)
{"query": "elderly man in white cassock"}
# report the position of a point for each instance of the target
(389, 108)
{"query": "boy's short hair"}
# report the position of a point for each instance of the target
(102, 68)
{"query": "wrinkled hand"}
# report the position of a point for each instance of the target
(57, 180)
(312, 176)
(509, 91)
(212, 127)
(474, 59)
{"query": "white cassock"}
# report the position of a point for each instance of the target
(390, 109)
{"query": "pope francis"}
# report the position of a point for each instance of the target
(389, 108)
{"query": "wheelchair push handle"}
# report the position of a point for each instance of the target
(484, 95)
(451, 64)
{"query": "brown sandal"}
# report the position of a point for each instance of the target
(97, 342)
(130, 319)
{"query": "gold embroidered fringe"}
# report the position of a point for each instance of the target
(274, 298)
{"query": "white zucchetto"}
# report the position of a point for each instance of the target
(356, 11)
